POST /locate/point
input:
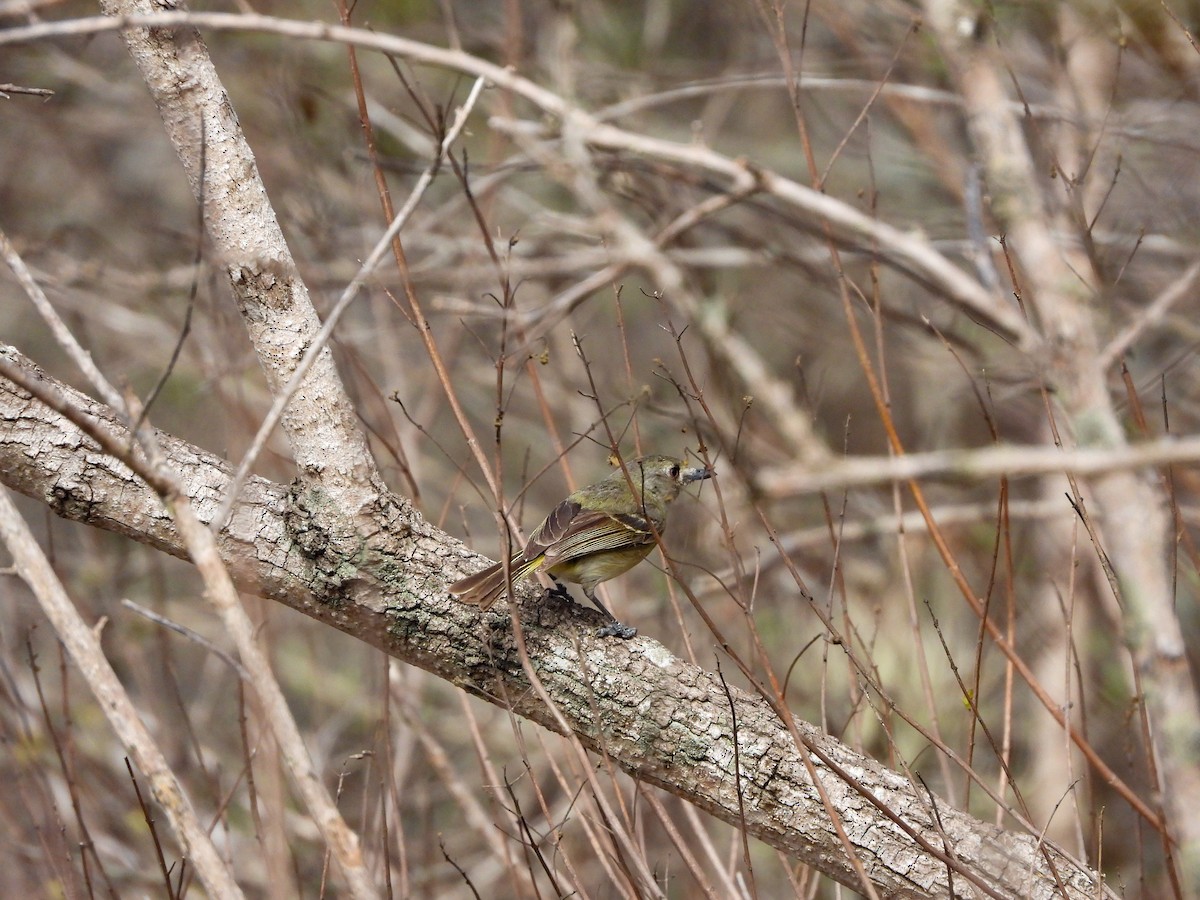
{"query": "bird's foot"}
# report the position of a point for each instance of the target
(560, 591)
(617, 630)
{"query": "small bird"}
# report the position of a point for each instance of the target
(597, 533)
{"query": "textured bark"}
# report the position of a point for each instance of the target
(662, 720)
(239, 221)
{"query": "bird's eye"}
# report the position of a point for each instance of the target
(674, 472)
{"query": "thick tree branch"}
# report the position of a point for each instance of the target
(663, 721)
(241, 224)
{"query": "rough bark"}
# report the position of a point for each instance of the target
(662, 720)
(241, 224)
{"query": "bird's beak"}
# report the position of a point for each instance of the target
(696, 474)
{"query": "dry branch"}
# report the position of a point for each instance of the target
(84, 646)
(661, 720)
(1061, 285)
(908, 253)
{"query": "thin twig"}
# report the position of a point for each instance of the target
(983, 464)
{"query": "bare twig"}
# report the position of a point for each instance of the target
(84, 646)
(976, 465)
(895, 247)
(1150, 316)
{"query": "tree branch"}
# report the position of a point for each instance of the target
(903, 251)
(663, 721)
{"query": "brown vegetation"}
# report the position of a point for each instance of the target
(914, 280)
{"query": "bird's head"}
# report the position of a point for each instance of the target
(659, 478)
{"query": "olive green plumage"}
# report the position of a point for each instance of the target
(597, 533)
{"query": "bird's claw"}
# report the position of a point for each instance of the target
(560, 591)
(617, 630)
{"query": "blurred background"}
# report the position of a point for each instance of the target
(728, 328)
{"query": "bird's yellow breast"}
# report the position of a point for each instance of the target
(597, 567)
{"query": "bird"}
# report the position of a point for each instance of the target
(598, 532)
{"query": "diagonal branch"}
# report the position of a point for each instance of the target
(895, 247)
(244, 232)
(663, 721)
(84, 646)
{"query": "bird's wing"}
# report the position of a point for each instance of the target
(551, 531)
(569, 533)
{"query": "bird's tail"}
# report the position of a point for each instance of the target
(487, 586)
